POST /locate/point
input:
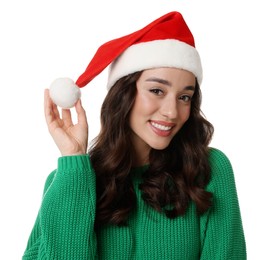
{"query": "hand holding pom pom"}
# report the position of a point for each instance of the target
(64, 92)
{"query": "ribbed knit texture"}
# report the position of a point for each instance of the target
(64, 229)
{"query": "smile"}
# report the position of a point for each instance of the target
(161, 127)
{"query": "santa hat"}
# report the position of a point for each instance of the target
(165, 42)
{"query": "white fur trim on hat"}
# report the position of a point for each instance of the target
(156, 54)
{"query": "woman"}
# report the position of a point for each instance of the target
(150, 186)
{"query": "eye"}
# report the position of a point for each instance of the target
(185, 98)
(156, 91)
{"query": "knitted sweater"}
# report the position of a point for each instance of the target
(64, 228)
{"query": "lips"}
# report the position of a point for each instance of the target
(161, 128)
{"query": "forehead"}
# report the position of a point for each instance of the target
(168, 76)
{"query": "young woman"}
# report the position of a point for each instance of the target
(150, 186)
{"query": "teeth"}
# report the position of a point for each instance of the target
(161, 127)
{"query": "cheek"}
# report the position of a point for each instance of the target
(136, 113)
(144, 105)
(185, 113)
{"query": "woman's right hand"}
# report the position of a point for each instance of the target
(71, 139)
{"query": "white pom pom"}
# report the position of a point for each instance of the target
(64, 92)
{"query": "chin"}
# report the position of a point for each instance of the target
(159, 146)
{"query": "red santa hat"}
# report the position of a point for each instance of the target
(165, 42)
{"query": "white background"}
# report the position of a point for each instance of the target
(44, 40)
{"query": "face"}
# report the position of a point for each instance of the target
(162, 106)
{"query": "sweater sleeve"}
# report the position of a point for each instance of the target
(64, 228)
(222, 235)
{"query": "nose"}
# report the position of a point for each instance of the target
(169, 108)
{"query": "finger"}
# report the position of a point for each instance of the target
(47, 107)
(81, 114)
(46, 99)
(66, 117)
(51, 111)
(55, 110)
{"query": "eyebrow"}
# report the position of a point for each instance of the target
(167, 83)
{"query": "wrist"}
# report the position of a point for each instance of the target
(73, 154)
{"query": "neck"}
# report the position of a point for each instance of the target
(140, 162)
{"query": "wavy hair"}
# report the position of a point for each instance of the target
(176, 175)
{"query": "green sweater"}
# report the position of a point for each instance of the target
(64, 227)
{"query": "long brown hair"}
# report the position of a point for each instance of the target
(176, 175)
